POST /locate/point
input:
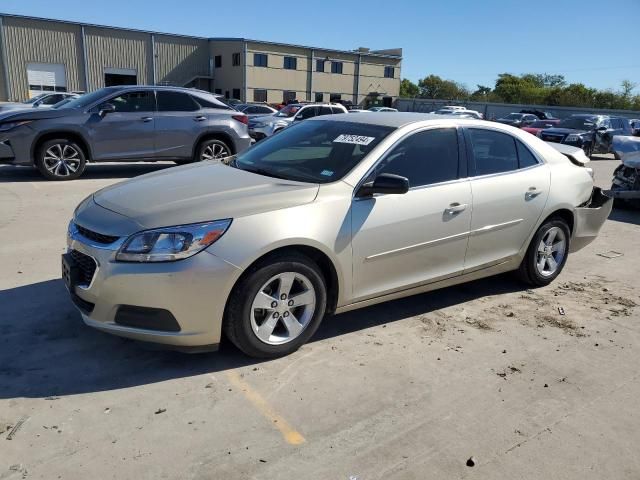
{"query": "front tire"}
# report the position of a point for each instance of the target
(276, 307)
(547, 253)
(60, 159)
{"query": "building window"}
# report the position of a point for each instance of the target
(336, 67)
(236, 93)
(226, 94)
(235, 59)
(218, 91)
(290, 63)
(320, 65)
(335, 97)
(259, 95)
(288, 96)
(217, 61)
(319, 97)
(260, 60)
(389, 72)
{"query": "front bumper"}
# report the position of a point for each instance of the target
(589, 220)
(192, 292)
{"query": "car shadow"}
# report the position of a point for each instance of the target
(626, 214)
(47, 351)
(12, 173)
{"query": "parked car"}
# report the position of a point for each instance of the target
(592, 133)
(328, 216)
(124, 123)
(539, 125)
(518, 119)
(382, 109)
(265, 126)
(44, 100)
(635, 127)
(540, 114)
(255, 109)
(467, 114)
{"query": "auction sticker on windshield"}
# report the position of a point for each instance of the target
(354, 139)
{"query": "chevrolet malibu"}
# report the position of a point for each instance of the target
(333, 214)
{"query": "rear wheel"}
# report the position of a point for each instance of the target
(212, 149)
(547, 253)
(60, 159)
(277, 307)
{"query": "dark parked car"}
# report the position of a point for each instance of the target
(124, 123)
(518, 119)
(592, 133)
(540, 114)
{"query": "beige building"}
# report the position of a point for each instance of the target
(38, 55)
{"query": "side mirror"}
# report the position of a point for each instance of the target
(106, 108)
(384, 183)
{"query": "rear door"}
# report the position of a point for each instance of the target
(510, 186)
(179, 122)
(126, 133)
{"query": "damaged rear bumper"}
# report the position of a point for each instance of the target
(589, 218)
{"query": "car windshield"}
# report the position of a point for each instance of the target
(315, 151)
(579, 123)
(84, 100)
(288, 111)
(33, 100)
(514, 116)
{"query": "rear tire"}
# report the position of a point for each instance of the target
(60, 159)
(547, 253)
(276, 307)
(212, 149)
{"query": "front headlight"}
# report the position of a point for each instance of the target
(171, 243)
(572, 138)
(9, 125)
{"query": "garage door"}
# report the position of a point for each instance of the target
(46, 77)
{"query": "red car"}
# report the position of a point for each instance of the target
(535, 127)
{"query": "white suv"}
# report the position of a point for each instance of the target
(265, 126)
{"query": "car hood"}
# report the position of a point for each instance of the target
(201, 192)
(35, 114)
(563, 131)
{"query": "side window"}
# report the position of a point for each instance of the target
(307, 113)
(53, 99)
(134, 102)
(176, 102)
(525, 157)
(324, 111)
(262, 110)
(426, 157)
(336, 110)
(493, 152)
(209, 103)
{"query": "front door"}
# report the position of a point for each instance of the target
(400, 241)
(510, 187)
(126, 133)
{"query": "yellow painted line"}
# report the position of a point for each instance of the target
(290, 435)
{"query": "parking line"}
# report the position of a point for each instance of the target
(290, 435)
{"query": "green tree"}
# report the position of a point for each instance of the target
(408, 89)
(434, 86)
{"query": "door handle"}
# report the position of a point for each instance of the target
(533, 192)
(147, 119)
(455, 208)
(200, 118)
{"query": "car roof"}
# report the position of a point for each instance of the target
(160, 87)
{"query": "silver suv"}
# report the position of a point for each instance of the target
(124, 123)
(265, 126)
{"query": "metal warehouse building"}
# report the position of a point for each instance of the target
(50, 55)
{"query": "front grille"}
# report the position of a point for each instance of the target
(86, 266)
(95, 236)
(552, 138)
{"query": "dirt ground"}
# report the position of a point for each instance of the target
(530, 383)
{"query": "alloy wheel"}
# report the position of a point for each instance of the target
(551, 251)
(214, 151)
(283, 308)
(62, 160)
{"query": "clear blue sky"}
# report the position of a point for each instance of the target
(590, 41)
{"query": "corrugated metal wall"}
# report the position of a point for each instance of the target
(179, 59)
(28, 40)
(109, 48)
